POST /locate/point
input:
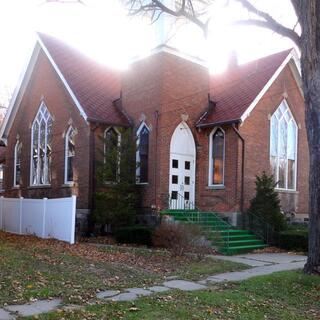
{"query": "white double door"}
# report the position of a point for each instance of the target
(182, 184)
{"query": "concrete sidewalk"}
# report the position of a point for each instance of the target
(261, 264)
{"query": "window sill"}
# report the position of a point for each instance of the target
(15, 188)
(142, 183)
(68, 185)
(41, 186)
(217, 187)
(286, 190)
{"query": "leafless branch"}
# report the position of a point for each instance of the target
(268, 22)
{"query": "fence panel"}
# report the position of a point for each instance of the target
(11, 215)
(45, 218)
(57, 224)
(32, 217)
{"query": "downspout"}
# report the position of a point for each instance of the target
(242, 167)
(156, 114)
(92, 165)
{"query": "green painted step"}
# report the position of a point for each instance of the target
(240, 243)
(240, 237)
(241, 249)
(224, 237)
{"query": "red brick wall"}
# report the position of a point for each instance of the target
(169, 86)
(256, 131)
(45, 85)
(177, 89)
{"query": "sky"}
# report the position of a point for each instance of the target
(101, 29)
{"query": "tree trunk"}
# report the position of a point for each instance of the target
(310, 66)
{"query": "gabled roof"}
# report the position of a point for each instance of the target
(238, 90)
(93, 87)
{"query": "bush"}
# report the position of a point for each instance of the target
(134, 234)
(180, 238)
(266, 203)
(296, 240)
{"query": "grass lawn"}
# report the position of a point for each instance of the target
(31, 268)
(284, 295)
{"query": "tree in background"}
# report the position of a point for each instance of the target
(308, 41)
(116, 195)
(266, 203)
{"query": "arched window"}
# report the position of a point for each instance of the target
(112, 140)
(142, 155)
(69, 155)
(216, 157)
(41, 138)
(17, 164)
(283, 147)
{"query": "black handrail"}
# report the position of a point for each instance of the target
(260, 228)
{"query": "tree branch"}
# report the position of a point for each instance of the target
(269, 22)
(185, 10)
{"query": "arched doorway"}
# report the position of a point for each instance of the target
(182, 168)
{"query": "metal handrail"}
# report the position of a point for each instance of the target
(197, 217)
(264, 230)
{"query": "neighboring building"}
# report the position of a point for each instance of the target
(202, 138)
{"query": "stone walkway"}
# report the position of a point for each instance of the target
(261, 264)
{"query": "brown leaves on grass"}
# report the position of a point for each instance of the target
(154, 261)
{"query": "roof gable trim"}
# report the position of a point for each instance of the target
(64, 81)
(18, 93)
(292, 56)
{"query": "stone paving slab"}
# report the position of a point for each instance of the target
(140, 291)
(184, 285)
(5, 315)
(107, 294)
(127, 296)
(244, 260)
(257, 271)
(34, 308)
(159, 289)
(274, 257)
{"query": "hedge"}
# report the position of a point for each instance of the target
(134, 234)
(294, 240)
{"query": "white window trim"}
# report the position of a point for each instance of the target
(66, 144)
(2, 166)
(296, 152)
(142, 125)
(210, 171)
(31, 149)
(15, 165)
(105, 150)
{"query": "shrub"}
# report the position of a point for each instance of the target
(180, 238)
(134, 234)
(296, 240)
(266, 203)
(115, 200)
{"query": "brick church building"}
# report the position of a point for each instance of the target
(202, 138)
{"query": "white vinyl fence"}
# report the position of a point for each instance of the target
(45, 218)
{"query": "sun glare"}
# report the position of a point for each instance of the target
(101, 30)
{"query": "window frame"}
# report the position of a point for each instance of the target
(210, 171)
(2, 167)
(105, 151)
(15, 184)
(278, 142)
(39, 185)
(140, 128)
(66, 157)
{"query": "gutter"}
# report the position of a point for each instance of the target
(219, 123)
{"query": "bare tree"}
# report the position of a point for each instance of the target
(308, 15)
